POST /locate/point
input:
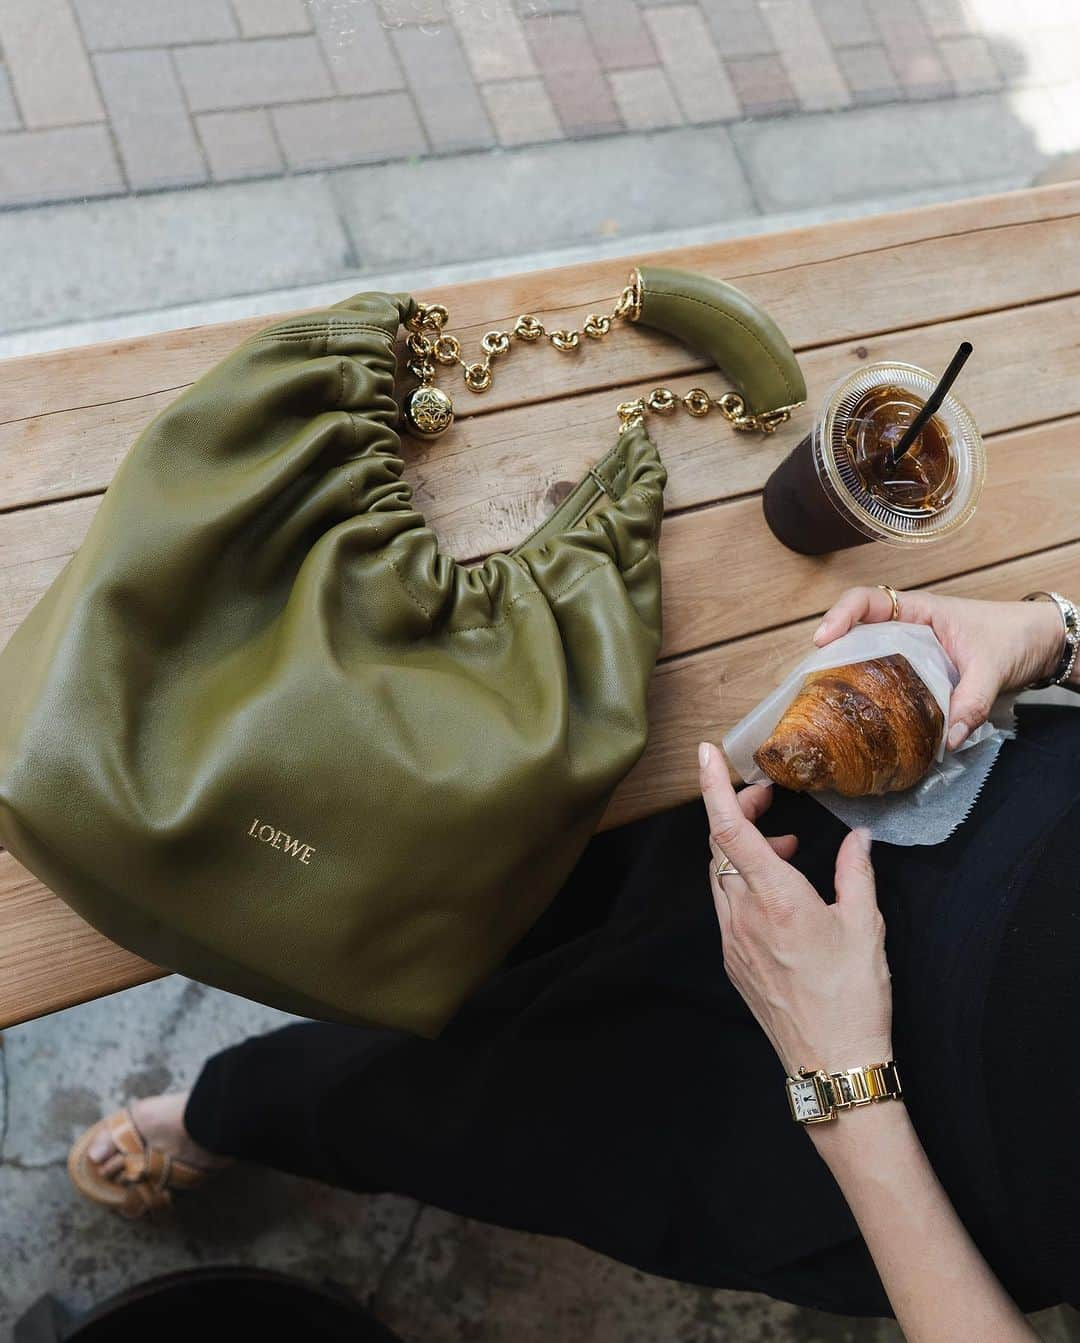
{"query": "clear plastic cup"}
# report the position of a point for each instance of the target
(833, 490)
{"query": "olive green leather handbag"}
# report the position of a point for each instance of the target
(262, 732)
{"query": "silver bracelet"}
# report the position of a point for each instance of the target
(1070, 620)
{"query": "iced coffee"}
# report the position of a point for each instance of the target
(844, 484)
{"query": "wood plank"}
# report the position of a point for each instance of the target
(490, 480)
(72, 452)
(50, 959)
(1031, 502)
(824, 284)
(494, 482)
(502, 474)
(725, 575)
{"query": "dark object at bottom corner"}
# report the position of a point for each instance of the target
(208, 1304)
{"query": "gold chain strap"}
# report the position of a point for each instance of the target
(429, 410)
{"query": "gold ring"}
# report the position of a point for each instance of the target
(724, 867)
(884, 587)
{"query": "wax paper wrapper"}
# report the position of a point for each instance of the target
(927, 813)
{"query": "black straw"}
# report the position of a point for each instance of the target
(933, 403)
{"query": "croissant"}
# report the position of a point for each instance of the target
(870, 727)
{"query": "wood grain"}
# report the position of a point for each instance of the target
(1003, 273)
(50, 958)
(846, 287)
(726, 576)
(502, 474)
(724, 573)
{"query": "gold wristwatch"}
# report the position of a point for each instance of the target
(816, 1096)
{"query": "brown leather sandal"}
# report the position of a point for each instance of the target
(146, 1176)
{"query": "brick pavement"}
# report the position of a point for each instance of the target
(107, 97)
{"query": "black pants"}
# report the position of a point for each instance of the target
(610, 1086)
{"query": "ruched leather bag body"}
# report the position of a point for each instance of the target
(262, 732)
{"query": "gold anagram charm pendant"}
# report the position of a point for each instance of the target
(428, 411)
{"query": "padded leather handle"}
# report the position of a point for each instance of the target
(721, 321)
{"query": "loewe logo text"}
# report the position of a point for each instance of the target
(278, 839)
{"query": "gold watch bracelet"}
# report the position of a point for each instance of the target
(849, 1089)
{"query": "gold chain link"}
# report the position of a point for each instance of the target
(429, 344)
(698, 402)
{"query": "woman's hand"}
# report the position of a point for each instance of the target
(816, 978)
(814, 975)
(996, 646)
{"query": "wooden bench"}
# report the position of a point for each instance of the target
(1003, 272)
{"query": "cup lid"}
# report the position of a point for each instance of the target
(867, 512)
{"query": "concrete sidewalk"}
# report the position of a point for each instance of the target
(433, 1277)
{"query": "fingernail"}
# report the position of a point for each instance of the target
(704, 754)
(957, 733)
(864, 838)
(820, 631)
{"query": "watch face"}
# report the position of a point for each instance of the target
(805, 1101)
